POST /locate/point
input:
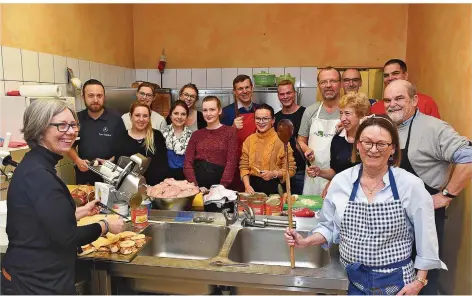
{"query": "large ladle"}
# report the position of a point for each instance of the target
(285, 132)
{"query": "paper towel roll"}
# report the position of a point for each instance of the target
(45, 90)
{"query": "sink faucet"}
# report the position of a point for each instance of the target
(249, 216)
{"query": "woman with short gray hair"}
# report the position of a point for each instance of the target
(42, 217)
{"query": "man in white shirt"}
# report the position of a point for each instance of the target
(145, 95)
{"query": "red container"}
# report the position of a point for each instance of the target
(273, 207)
(139, 216)
(257, 205)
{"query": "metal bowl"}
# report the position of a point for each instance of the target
(174, 203)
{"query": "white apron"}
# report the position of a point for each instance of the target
(321, 133)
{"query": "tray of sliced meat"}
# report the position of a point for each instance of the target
(173, 195)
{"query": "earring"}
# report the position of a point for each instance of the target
(390, 158)
(357, 152)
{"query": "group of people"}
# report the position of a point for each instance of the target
(383, 168)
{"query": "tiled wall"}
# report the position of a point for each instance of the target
(223, 78)
(19, 66)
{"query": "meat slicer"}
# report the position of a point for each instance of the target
(125, 177)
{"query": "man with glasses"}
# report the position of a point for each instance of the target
(430, 148)
(396, 69)
(293, 112)
(99, 127)
(146, 94)
(318, 126)
(352, 81)
(262, 164)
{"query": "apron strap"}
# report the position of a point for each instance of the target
(356, 185)
(393, 184)
(319, 110)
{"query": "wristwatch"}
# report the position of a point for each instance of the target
(422, 280)
(445, 192)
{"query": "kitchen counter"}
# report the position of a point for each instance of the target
(190, 276)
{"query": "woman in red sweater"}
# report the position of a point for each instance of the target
(211, 155)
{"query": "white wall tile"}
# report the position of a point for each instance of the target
(308, 96)
(129, 77)
(2, 87)
(46, 68)
(294, 72)
(12, 85)
(214, 78)
(1, 64)
(103, 73)
(60, 69)
(308, 76)
(259, 70)
(184, 76)
(121, 77)
(154, 76)
(133, 75)
(84, 70)
(113, 80)
(95, 71)
(141, 75)
(169, 78)
(227, 76)
(74, 65)
(12, 63)
(199, 78)
(30, 63)
(247, 71)
(31, 83)
(277, 71)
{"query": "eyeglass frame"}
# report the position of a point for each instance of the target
(263, 119)
(69, 126)
(145, 95)
(376, 145)
(189, 96)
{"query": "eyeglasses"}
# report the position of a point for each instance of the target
(189, 96)
(381, 146)
(64, 127)
(263, 119)
(354, 80)
(324, 83)
(145, 95)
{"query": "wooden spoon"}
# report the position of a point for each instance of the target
(285, 132)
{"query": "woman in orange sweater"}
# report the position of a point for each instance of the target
(262, 164)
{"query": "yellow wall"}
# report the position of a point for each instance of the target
(439, 57)
(94, 32)
(269, 35)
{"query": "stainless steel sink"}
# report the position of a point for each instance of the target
(184, 241)
(268, 247)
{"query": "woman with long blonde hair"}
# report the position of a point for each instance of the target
(142, 138)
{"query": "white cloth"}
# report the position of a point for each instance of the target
(219, 195)
(416, 201)
(158, 122)
(322, 132)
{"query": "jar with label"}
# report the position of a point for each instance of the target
(257, 205)
(121, 207)
(139, 216)
(273, 205)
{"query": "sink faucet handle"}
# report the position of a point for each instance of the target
(248, 212)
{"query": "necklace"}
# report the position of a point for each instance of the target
(372, 190)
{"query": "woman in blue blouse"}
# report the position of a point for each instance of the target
(177, 135)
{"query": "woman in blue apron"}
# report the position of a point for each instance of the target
(376, 211)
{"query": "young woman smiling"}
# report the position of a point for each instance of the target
(142, 138)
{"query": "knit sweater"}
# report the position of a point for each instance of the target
(266, 153)
(218, 146)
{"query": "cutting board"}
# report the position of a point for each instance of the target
(115, 257)
(299, 205)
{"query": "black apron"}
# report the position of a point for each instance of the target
(260, 185)
(208, 174)
(439, 217)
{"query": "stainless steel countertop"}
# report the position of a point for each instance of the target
(329, 277)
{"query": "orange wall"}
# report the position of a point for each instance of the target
(262, 35)
(94, 32)
(439, 57)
